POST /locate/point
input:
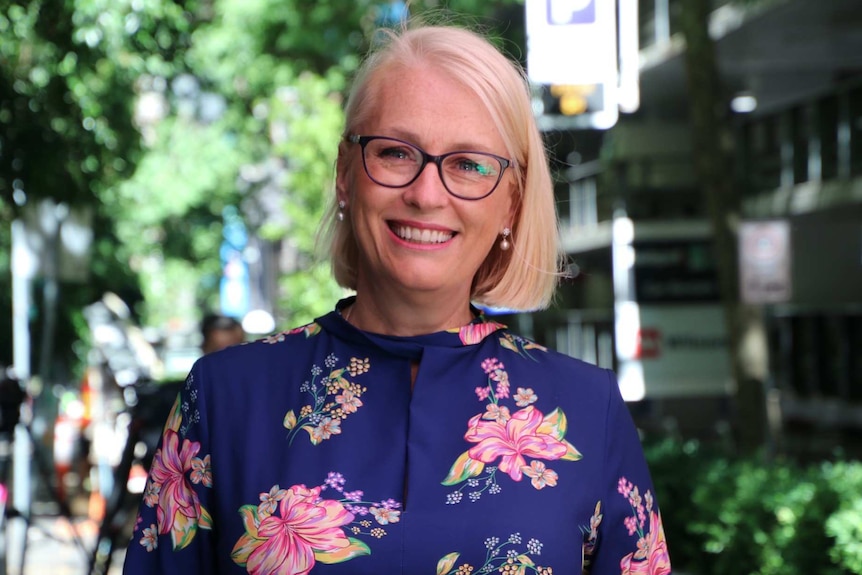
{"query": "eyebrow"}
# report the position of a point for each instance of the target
(414, 138)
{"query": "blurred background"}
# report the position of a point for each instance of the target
(162, 161)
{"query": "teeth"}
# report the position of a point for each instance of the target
(422, 236)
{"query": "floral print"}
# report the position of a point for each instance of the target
(476, 332)
(291, 530)
(520, 345)
(309, 330)
(505, 557)
(507, 439)
(651, 557)
(333, 398)
(174, 470)
(514, 441)
(591, 535)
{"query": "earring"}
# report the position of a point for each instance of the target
(504, 243)
(341, 205)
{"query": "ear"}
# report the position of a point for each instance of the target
(341, 176)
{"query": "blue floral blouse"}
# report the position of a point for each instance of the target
(308, 452)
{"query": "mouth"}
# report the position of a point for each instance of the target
(422, 236)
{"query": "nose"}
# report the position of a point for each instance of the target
(427, 190)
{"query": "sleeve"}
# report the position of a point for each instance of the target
(626, 530)
(173, 529)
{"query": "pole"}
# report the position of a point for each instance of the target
(23, 268)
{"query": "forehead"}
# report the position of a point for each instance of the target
(430, 107)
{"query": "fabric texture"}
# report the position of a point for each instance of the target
(308, 452)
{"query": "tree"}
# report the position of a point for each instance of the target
(67, 84)
(96, 109)
(713, 158)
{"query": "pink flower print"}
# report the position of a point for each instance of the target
(269, 501)
(631, 524)
(495, 412)
(348, 401)
(151, 494)
(649, 500)
(202, 471)
(525, 397)
(624, 487)
(385, 515)
(306, 529)
(327, 428)
(652, 556)
(511, 441)
(335, 480)
(491, 365)
(502, 379)
(483, 392)
(634, 497)
(476, 332)
(178, 511)
(355, 496)
(390, 504)
(150, 538)
(541, 475)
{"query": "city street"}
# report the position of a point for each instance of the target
(52, 548)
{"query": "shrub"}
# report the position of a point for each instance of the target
(749, 516)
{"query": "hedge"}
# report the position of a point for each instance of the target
(727, 515)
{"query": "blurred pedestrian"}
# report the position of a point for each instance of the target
(220, 331)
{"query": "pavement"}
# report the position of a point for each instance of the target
(56, 545)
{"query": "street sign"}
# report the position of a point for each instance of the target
(572, 55)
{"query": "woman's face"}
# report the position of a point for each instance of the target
(420, 238)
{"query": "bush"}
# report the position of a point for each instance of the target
(750, 516)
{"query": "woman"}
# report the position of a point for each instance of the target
(404, 432)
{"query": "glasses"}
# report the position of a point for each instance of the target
(394, 163)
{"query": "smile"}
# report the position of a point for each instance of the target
(422, 236)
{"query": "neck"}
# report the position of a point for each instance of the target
(377, 312)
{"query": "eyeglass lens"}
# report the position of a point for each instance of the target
(391, 162)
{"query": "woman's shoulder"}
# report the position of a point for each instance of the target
(551, 363)
(264, 350)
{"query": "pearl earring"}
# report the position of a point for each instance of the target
(341, 205)
(504, 243)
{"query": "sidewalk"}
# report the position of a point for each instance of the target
(52, 549)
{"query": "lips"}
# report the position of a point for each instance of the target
(421, 235)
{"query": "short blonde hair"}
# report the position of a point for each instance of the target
(525, 276)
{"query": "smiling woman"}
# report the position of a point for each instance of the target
(405, 432)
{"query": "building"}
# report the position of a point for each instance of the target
(643, 298)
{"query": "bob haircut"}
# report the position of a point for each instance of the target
(525, 276)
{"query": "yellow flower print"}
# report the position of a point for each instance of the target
(385, 516)
(541, 475)
(327, 428)
(348, 401)
(358, 366)
(498, 413)
(333, 399)
(525, 397)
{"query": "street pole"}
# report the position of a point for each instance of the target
(23, 268)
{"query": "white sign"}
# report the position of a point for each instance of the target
(764, 262)
(684, 351)
(572, 42)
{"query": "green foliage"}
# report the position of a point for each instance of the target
(725, 514)
(73, 77)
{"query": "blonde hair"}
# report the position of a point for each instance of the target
(525, 276)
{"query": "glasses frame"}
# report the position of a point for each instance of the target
(426, 159)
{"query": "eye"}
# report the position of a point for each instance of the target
(395, 152)
(474, 165)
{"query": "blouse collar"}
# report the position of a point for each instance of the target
(409, 346)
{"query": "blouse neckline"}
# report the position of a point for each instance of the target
(409, 346)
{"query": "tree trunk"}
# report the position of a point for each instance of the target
(713, 157)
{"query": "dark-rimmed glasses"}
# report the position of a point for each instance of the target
(394, 163)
